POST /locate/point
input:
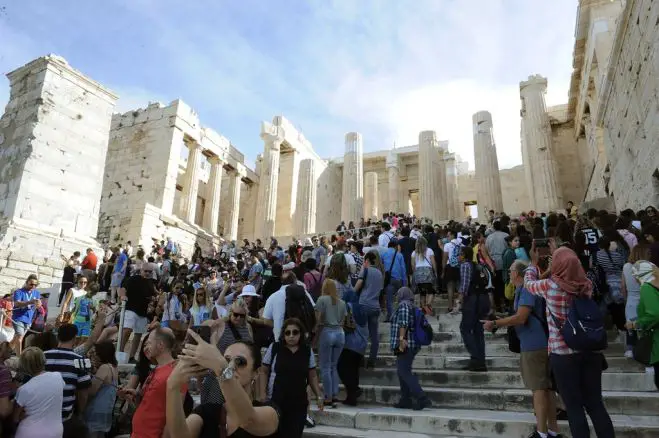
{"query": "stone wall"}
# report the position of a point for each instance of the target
(328, 195)
(568, 160)
(514, 191)
(630, 112)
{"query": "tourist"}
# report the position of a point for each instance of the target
(68, 306)
(496, 245)
(369, 287)
(83, 311)
(611, 259)
(451, 269)
(356, 248)
(242, 417)
(313, 279)
(103, 391)
(201, 308)
(137, 292)
(289, 298)
(631, 289)
(68, 277)
(578, 374)
(255, 277)
(396, 273)
(405, 349)
(475, 307)
(530, 322)
(88, 265)
(39, 401)
(424, 267)
(330, 315)
(118, 272)
(26, 301)
(407, 245)
(352, 356)
(647, 274)
(7, 389)
(173, 315)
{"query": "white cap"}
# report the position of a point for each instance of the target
(232, 260)
(248, 291)
(289, 266)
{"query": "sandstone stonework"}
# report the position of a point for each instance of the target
(352, 199)
(487, 165)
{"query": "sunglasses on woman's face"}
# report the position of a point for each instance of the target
(291, 332)
(239, 315)
(238, 360)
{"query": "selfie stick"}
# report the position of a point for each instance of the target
(122, 357)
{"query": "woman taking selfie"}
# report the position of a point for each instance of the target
(239, 416)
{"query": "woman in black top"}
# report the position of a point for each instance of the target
(240, 417)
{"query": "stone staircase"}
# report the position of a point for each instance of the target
(469, 404)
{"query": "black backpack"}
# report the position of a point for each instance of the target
(298, 306)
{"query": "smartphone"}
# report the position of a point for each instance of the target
(204, 333)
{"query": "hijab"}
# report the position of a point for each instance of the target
(643, 271)
(405, 295)
(568, 274)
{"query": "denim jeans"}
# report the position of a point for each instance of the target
(474, 308)
(579, 381)
(409, 383)
(330, 345)
(390, 290)
(372, 321)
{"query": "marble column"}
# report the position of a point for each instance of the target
(394, 182)
(191, 183)
(371, 197)
(428, 187)
(352, 198)
(267, 204)
(489, 195)
(305, 211)
(212, 212)
(233, 201)
(453, 198)
(538, 141)
(439, 167)
(528, 172)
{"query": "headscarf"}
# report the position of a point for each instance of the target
(568, 274)
(643, 271)
(405, 295)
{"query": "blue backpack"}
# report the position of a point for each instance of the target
(422, 330)
(583, 330)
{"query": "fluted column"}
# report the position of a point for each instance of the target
(352, 199)
(453, 199)
(528, 172)
(371, 197)
(268, 180)
(428, 190)
(487, 165)
(394, 182)
(233, 201)
(305, 211)
(212, 213)
(547, 192)
(191, 183)
(441, 183)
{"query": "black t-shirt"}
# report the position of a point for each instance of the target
(210, 415)
(139, 291)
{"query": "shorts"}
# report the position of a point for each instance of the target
(20, 328)
(84, 328)
(451, 274)
(116, 280)
(135, 322)
(534, 367)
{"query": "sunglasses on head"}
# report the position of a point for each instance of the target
(293, 332)
(239, 361)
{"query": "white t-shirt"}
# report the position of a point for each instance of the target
(275, 309)
(42, 399)
(448, 248)
(415, 234)
(423, 261)
(173, 310)
(384, 239)
(76, 293)
(350, 260)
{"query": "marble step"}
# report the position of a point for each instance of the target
(430, 378)
(491, 349)
(344, 432)
(512, 400)
(465, 423)
(450, 331)
(620, 364)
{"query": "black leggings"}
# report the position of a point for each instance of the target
(291, 419)
(618, 315)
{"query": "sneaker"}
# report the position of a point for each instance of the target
(309, 422)
(629, 354)
(403, 404)
(421, 404)
(478, 368)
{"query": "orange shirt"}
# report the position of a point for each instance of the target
(89, 262)
(149, 418)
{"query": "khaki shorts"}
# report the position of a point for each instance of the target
(534, 366)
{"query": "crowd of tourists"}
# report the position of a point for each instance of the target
(237, 341)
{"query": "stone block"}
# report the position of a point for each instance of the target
(17, 273)
(25, 266)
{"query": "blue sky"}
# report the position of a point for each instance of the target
(385, 68)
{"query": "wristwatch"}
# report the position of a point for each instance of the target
(227, 374)
(494, 324)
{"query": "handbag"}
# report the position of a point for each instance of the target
(643, 348)
(349, 323)
(387, 275)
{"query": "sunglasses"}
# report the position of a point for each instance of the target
(239, 361)
(239, 315)
(33, 284)
(291, 332)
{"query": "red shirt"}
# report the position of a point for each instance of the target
(149, 418)
(8, 306)
(89, 262)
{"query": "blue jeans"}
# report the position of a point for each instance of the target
(474, 308)
(390, 290)
(579, 381)
(330, 345)
(372, 321)
(409, 383)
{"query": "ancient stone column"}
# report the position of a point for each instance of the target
(441, 183)
(528, 172)
(394, 181)
(452, 199)
(305, 211)
(212, 212)
(487, 165)
(371, 198)
(235, 181)
(428, 187)
(538, 141)
(191, 183)
(352, 198)
(267, 205)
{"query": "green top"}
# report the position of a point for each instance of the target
(508, 260)
(648, 316)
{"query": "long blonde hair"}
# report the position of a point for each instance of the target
(421, 247)
(207, 301)
(329, 289)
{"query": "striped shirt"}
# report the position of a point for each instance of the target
(63, 361)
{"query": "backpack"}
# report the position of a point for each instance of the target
(453, 255)
(479, 279)
(583, 330)
(422, 330)
(298, 306)
(317, 287)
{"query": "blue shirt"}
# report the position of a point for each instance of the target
(398, 270)
(24, 314)
(120, 263)
(531, 335)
